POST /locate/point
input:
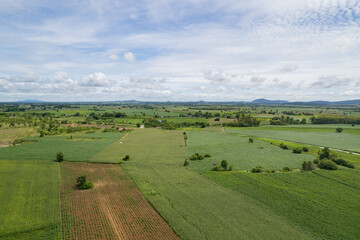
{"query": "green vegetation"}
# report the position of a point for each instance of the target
(324, 203)
(29, 200)
(60, 157)
(189, 202)
(82, 183)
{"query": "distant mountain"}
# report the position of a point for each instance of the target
(266, 101)
(355, 101)
(30, 101)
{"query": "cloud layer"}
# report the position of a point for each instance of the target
(180, 50)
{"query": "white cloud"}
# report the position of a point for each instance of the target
(129, 56)
(98, 79)
(113, 57)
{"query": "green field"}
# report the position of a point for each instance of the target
(239, 152)
(29, 200)
(195, 207)
(82, 148)
(325, 203)
(332, 139)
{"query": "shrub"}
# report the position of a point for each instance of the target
(59, 157)
(339, 130)
(257, 169)
(316, 161)
(197, 156)
(121, 162)
(216, 168)
(343, 162)
(224, 164)
(305, 149)
(231, 167)
(307, 166)
(126, 158)
(207, 155)
(327, 164)
(186, 162)
(287, 169)
(201, 157)
(82, 183)
(138, 125)
(283, 146)
(324, 153)
(251, 140)
(297, 150)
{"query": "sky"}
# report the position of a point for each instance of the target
(189, 50)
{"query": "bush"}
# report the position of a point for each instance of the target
(186, 163)
(126, 158)
(197, 156)
(82, 183)
(121, 162)
(339, 130)
(287, 169)
(231, 167)
(305, 149)
(307, 166)
(216, 168)
(59, 157)
(324, 153)
(343, 162)
(283, 146)
(297, 150)
(327, 164)
(257, 169)
(207, 155)
(251, 140)
(224, 164)
(316, 161)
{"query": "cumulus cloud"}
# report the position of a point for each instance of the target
(98, 79)
(217, 76)
(129, 57)
(336, 81)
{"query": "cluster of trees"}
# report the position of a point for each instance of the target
(243, 121)
(82, 183)
(335, 120)
(106, 115)
(223, 166)
(164, 124)
(286, 120)
(197, 156)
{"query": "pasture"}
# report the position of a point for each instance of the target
(29, 200)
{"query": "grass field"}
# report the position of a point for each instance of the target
(113, 209)
(82, 148)
(29, 200)
(8, 135)
(325, 203)
(195, 207)
(346, 141)
(239, 152)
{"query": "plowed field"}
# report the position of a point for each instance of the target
(113, 209)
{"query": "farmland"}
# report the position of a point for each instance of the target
(152, 195)
(29, 197)
(322, 137)
(113, 209)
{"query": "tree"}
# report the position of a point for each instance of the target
(251, 140)
(224, 164)
(59, 156)
(126, 158)
(307, 166)
(324, 153)
(82, 183)
(339, 130)
(327, 164)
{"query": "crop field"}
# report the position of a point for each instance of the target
(8, 135)
(113, 209)
(29, 200)
(239, 152)
(81, 148)
(346, 141)
(194, 206)
(324, 203)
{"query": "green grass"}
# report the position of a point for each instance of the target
(29, 200)
(195, 207)
(74, 150)
(325, 203)
(239, 152)
(346, 141)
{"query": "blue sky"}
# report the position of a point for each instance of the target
(179, 50)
